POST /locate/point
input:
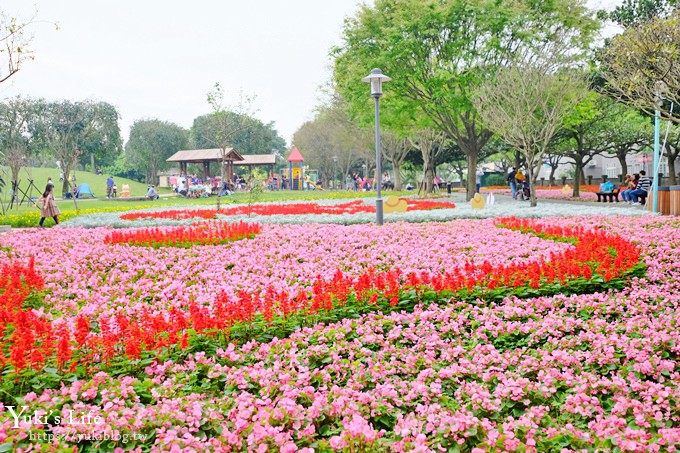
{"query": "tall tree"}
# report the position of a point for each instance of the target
(228, 122)
(628, 133)
(641, 64)
(430, 143)
(597, 126)
(151, 143)
(553, 158)
(255, 137)
(633, 12)
(395, 148)
(71, 129)
(15, 115)
(672, 151)
(438, 52)
(526, 104)
(332, 133)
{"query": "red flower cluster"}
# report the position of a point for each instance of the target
(26, 338)
(352, 207)
(206, 233)
(425, 205)
(174, 214)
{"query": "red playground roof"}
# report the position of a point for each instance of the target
(295, 155)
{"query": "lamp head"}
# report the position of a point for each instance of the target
(376, 79)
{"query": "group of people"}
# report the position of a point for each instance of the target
(635, 186)
(519, 184)
(195, 187)
(357, 183)
(111, 188)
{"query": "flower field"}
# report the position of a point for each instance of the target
(475, 336)
(342, 212)
(268, 209)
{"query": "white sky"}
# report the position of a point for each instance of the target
(158, 59)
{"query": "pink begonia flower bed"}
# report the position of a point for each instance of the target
(594, 371)
(95, 278)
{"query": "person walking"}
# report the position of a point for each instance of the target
(49, 206)
(513, 183)
(478, 179)
(109, 186)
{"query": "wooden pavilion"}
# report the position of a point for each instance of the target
(231, 159)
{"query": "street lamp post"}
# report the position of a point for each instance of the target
(660, 87)
(376, 79)
(335, 173)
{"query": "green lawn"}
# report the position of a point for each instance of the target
(98, 186)
(96, 182)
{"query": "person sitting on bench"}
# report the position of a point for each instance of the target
(642, 188)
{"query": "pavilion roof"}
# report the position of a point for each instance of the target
(202, 155)
(257, 159)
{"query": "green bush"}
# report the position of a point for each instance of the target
(494, 179)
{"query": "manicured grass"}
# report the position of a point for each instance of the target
(96, 182)
(87, 206)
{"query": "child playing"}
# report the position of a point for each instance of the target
(49, 206)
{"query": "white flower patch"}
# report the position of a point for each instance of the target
(503, 207)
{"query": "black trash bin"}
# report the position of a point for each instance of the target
(448, 187)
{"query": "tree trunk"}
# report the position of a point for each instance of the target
(397, 174)
(154, 173)
(67, 173)
(621, 156)
(533, 177)
(428, 174)
(671, 168)
(551, 178)
(671, 154)
(94, 170)
(578, 173)
(471, 185)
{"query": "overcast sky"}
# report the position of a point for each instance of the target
(158, 59)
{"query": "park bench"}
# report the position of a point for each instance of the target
(608, 196)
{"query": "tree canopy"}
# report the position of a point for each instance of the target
(151, 143)
(633, 12)
(526, 104)
(255, 137)
(73, 129)
(641, 64)
(438, 52)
